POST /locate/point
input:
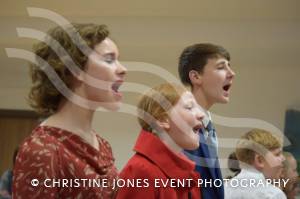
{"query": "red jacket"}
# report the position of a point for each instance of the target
(154, 163)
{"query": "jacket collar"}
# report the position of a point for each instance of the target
(174, 165)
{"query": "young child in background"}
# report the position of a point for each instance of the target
(290, 172)
(261, 158)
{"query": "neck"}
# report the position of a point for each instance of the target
(167, 140)
(201, 99)
(72, 117)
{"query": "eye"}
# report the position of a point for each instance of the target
(221, 67)
(189, 107)
(278, 154)
(109, 60)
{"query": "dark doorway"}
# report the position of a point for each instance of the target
(15, 125)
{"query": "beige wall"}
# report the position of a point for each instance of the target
(262, 36)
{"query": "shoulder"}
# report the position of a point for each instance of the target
(38, 158)
(38, 152)
(40, 142)
(141, 167)
(229, 191)
(273, 192)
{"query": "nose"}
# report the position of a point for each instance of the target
(199, 114)
(121, 70)
(231, 73)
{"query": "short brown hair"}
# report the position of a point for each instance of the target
(195, 57)
(256, 141)
(44, 97)
(157, 102)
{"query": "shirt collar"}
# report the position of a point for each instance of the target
(206, 118)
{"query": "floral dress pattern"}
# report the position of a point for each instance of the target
(55, 163)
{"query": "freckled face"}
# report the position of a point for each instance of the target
(185, 122)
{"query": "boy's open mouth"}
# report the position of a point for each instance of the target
(197, 128)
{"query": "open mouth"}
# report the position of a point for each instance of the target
(116, 86)
(197, 128)
(226, 87)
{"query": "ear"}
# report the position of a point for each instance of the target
(195, 77)
(164, 124)
(259, 161)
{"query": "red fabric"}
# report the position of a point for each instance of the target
(54, 153)
(155, 161)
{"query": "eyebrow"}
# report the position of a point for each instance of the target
(190, 102)
(278, 152)
(223, 62)
(110, 54)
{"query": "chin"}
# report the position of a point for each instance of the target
(223, 100)
(192, 146)
(112, 106)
